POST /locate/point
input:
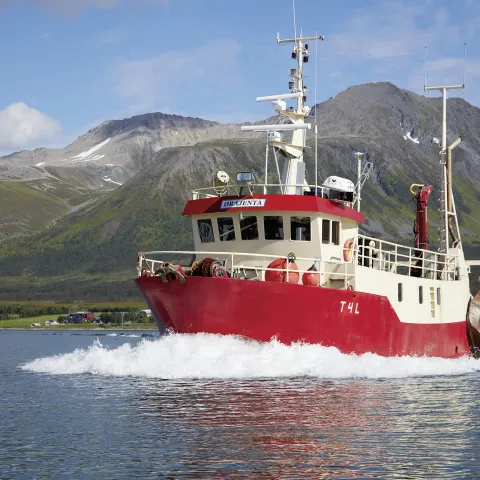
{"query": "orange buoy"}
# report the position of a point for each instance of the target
(280, 275)
(276, 275)
(311, 277)
(349, 250)
(293, 276)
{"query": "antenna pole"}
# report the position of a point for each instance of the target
(359, 156)
(267, 146)
(425, 81)
(464, 61)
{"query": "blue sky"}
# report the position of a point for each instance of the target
(70, 64)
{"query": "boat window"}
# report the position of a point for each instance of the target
(300, 228)
(226, 229)
(325, 231)
(249, 228)
(335, 232)
(420, 294)
(438, 296)
(400, 292)
(273, 228)
(205, 230)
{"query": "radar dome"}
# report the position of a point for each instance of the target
(279, 105)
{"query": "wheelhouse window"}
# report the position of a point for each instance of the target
(400, 292)
(420, 294)
(331, 232)
(335, 232)
(300, 228)
(249, 228)
(273, 227)
(226, 229)
(325, 231)
(205, 230)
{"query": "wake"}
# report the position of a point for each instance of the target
(206, 356)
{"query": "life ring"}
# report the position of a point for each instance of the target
(220, 272)
(349, 250)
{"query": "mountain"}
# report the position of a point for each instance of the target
(114, 151)
(91, 252)
(56, 182)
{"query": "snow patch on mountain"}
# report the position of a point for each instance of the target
(87, 156)
(107, 179)
(408, 136)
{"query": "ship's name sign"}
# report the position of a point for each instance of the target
(250, 202)
(351, 307)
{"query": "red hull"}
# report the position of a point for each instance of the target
(353, 322)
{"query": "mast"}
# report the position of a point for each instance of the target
(293, 174)
(448, 213)
(292, 180)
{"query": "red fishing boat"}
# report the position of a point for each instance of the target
(287, 260)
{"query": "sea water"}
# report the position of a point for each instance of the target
(129, 404)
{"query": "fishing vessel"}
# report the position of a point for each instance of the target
(286, 260)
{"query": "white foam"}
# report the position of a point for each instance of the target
(128, 335)
(215, 356)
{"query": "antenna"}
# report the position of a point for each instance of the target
(362, 176)
(294, 21)
(464, 61)
(425, 82)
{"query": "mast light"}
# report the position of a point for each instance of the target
(244, 178)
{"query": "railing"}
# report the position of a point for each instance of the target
(254, 188)
(262, 189)
(410, 261)
(367, 252)
(147, 265)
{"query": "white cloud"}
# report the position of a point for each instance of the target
(385, 42)
(391, 30)
(76, 6)
(22, 126)
(177, 73)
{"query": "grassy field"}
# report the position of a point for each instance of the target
(76, 305)
(26, 322)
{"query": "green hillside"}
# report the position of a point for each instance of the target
(25, 208)
(31, 206)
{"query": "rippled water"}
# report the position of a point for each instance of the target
(126, 406)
